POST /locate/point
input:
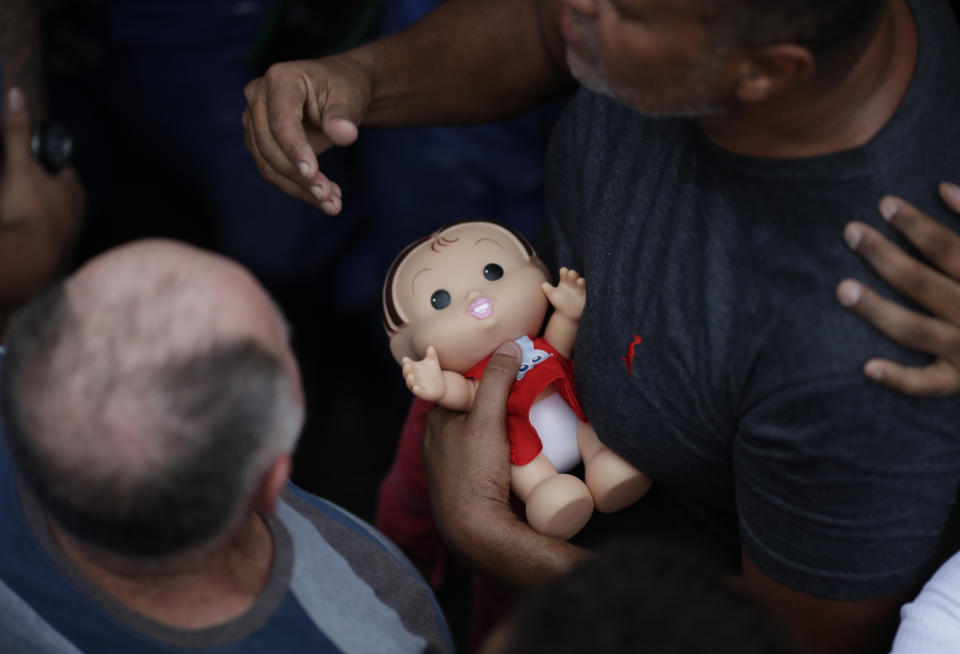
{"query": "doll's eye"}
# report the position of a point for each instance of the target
(440, 299)
(493, 271)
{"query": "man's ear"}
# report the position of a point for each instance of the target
(773, 70)
(272, 483)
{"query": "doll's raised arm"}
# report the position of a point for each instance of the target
(568, 298)
(428, 381)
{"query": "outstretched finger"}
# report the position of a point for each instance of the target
(262, 124)
(490, 403)
(908, 328)
(277, 168)
(938, 379)
(918, 281)
(951, 195)
(285, 99)
(324, 195)
(285, 184)
(937, 243)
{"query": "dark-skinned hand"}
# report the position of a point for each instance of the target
(934, 285)
(298, 110)
(466, 457)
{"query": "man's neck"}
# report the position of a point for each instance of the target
(825, 116)
(217, 587)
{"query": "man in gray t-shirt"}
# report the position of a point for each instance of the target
(712, 351)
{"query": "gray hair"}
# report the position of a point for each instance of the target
(143, 454)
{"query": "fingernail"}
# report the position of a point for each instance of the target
(509, 348)
(329, 206)
(304, 168)
(849, 293)
(888, 208)
(952, 190)
(874, 371)
(318, 193)
(852, 235)
(15, 100)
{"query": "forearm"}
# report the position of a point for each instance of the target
(21, 52)
(513, 553)
(824, 626)
(31, 254)
(468, 61)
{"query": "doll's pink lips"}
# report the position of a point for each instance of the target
(481, 308)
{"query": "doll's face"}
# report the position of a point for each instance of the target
(464, 293)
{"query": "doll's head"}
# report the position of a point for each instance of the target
(464, 289)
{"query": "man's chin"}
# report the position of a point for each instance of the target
(585, 73)
(589, 76)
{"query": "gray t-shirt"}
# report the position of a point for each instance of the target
(714, 355)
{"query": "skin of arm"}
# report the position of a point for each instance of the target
(21, 52)
(825, 626)
(40, 214)
(936, 288)
(511, 50)
(468, 61)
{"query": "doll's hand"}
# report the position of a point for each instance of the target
(936, 288)
(569, 296)
(425, 377)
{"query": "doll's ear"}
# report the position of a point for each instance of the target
(393, 315)
(401, 344)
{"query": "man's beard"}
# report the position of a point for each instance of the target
(689, 97)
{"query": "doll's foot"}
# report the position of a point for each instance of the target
(559, 506)
(614, 483)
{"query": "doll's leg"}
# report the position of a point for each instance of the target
(557, 505)
(612, 481)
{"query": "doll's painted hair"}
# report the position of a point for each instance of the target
(392, 321)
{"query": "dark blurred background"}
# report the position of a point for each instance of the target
(152, 90)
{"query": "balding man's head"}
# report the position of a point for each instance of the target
(146, 396)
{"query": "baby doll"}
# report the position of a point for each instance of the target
(449, 300)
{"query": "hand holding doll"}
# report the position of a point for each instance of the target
(450, 300)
